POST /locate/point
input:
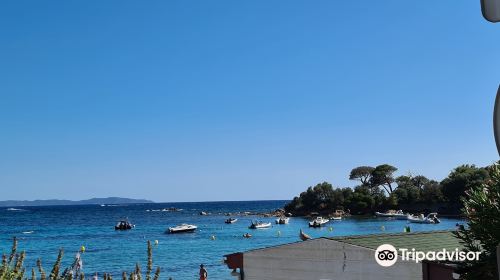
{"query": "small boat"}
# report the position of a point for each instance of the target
(303, 236)
(429, 219)
(247, 235)
(124, 225)
(259, 225)
(282, 220)
(170, 209)
(318, 222)
(399, 215)
(336, 218)
(203, 213)
(182, 228)
(231, 221)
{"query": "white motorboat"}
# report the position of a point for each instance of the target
(259, 225)
(282, 220)
(318, 222)
(429, 219)
(182, 228)
(399, 215)
(336, 218)
(231, 221)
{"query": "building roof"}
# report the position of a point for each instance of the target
(421, 241)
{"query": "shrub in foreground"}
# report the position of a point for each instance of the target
(12, 268)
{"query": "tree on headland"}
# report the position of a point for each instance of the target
(432, 192)
(461, 179)
(379, 190)
(482, 209)
(362, 174)
(406, 192)
(419, 182)
(383, 176)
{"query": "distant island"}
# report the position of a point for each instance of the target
(51, 202)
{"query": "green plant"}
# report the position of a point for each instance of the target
(482, 209)
(12, 268)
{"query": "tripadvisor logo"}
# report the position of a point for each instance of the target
(386, 255)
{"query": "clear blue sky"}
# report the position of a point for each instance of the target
(238, 100)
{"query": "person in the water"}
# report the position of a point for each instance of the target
(203, 272)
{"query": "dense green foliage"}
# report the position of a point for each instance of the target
(379, 189)
(482, 209)
(13, 268)
(461, 179)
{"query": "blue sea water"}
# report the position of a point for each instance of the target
(43, 230)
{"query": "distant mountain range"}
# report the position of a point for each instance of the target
(50, 202)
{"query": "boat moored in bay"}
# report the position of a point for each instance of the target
(399, 215)
(429, 219)
(124, 225)
(259, 225)
(182, 228)
(318, 222)
(282, 220)
(231, 221)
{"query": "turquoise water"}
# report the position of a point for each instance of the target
(43, 230)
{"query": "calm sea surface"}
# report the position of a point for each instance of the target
(43, 230)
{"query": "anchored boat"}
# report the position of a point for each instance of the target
(231, 221)
(259, 225)
(282, 220)
(399, 215)
(182, 228)
(124, 225)
(318, 222)
(429, 219)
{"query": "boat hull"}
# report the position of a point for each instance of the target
(396, 216)
(282, 221)
(182, 229)
(316, 225)
(261, 226)
(123, 228)
(422, 221)
(231, 221)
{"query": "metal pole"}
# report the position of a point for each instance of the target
(496, 120)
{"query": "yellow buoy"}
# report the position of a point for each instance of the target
(82, 249)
